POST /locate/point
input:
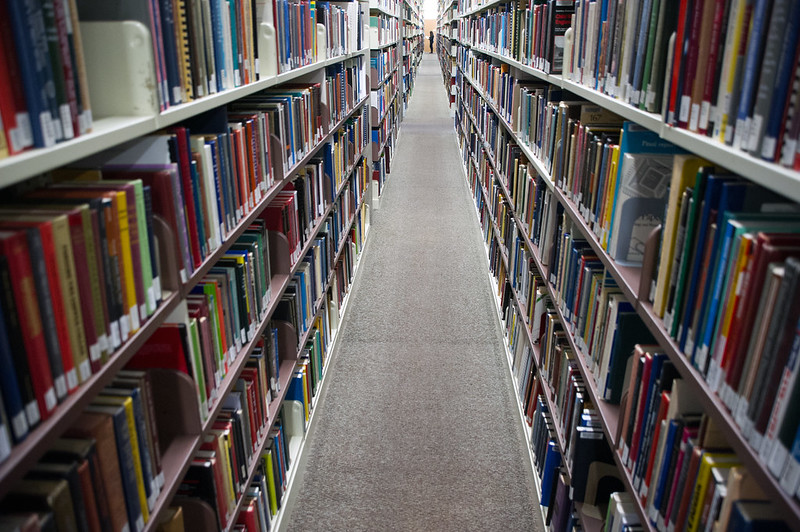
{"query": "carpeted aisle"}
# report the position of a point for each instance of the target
(418, 429)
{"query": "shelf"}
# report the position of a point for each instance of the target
(770, 175)
(385, 45)
(383, 10)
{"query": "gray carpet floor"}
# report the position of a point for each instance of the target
(417, 428)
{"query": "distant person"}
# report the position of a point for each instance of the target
(430, 38)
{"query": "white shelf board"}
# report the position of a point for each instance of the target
(106, 133)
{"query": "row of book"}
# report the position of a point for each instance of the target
(383, 96)
(740, 335)
(384, 30)
(219, 473)
(589, 301)
(44, 92)
(343, 25)
(383, 62)
(80, 276)
(389, 6)
(667, 444)
(105, 472)
(532, 33)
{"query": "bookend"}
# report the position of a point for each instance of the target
(198, 516)
(267, 50)
(120, 68)
(326, 118)
(322, 38)
(651, 248)
(177, 414)
(276, 146)
(279, 256)
(166, 247)
(287, 358)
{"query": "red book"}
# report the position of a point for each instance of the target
(715, 47)
(163, 349)
(250, 374)
(248, 516)
(70, 83)
(643, 392)
(80, 257)
(239, 169)
(689, 62)
(179, 148)
(662, 413)
(14, 247)
(768, 248)
(676, 62)
(14, 112)
(45, 230)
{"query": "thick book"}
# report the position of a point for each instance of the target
(129, 471)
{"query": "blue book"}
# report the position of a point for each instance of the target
(296, 391)
(782, 86)
(34, 72)
(641, 50)
(200, 203)
(12, 397)
(752, 67)
(237, 66)
(655, 373)
(218, 35)
(711, 202)
(552, 461)
(674, 433)
(174, 89)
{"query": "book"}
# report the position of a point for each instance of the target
(640, 197)
(43, 496)
(684, 171)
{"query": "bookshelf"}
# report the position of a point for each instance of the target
(332, 55)
(477, 43)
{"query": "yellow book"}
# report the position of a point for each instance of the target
(127, 402)
(225, 444)
(708, 461)
(273, 499)
(127, 260)
(684, 172)
(3, 143)
(728, 74)
(733, 292)
(608, 197)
